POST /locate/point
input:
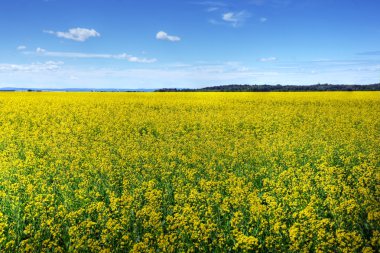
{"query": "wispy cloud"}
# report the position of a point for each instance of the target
(263, 19)
(76, 34)
(211, 3)
(215, 22)
(33, 67)
(161, 35)
(235, 18)
(273, 3)
(212, 6)
(257, 2)
(212, 9)
(21, 47)
(123, 56)
(267, 59)
(221, 13)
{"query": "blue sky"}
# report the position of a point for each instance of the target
(187, 43)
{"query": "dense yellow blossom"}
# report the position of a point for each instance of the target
(190, 172)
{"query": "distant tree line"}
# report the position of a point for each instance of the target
(278, 87)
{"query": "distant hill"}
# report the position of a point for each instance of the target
(282, 88)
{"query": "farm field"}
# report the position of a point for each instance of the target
(190, 172)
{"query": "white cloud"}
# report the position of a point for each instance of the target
(40, 50)
(21, 47)
(268, 59)
(161, 35)
(33, 67)
(263, 19)
(76, 34)
(123, 56)
(235, 18)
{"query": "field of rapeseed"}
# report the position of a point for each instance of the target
(188, 172)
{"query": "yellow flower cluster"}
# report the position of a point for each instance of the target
(190, 172)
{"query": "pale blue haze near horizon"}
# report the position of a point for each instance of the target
(194, 43)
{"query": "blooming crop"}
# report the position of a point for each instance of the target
(175, 172)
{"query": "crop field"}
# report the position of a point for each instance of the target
(190, 172)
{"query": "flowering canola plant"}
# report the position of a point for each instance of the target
(190, 172)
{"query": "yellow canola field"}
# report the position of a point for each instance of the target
(190, 172)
